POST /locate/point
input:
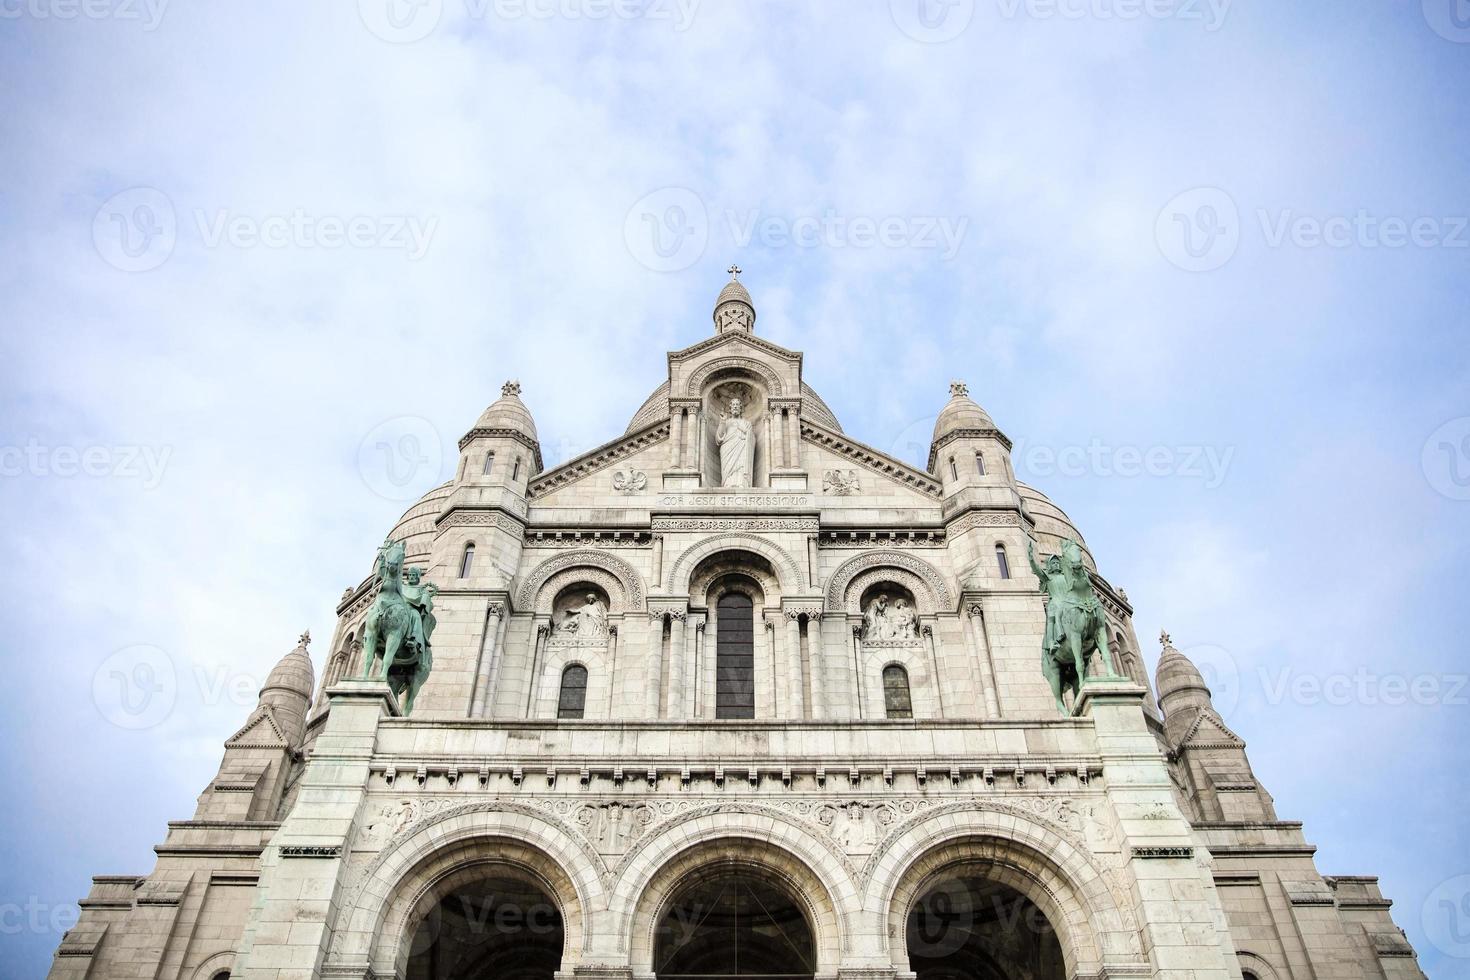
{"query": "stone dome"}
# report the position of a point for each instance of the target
(1052, 523)
(734, 291)
(1177, 674)
(960, 413)
(293, 674)
(509, 412)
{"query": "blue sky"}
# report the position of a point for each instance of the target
(246, 245)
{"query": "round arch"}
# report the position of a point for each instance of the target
(620, 580)
(695, 386)
(760, 840)
(788, 572)
(440, 853)
(855, 575)
(1013, 849)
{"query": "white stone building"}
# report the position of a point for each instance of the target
(734, 694)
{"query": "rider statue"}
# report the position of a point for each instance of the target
(398, 626)
(1076, 626)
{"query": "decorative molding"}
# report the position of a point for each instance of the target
(598, 459)
(587, 538)
(630, 483)
(872, 459)
(766, 524)
(311, 851)
(882, 538)
(955, 434)
(788, 571)
(629, 581)
(972, 519)
(840, 594)
(1162, 853)
(464, 517)
(774, 385)
(841, 483)
(515, 435)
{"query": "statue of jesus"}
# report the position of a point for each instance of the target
(737, 446)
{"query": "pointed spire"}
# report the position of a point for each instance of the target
(734, 310)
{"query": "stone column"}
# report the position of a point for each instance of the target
(766, 653)
(980, 651)
(816, 692)
(653, 691)
(857, 665)
(696, 685)
(488, 669)
(678, 692)
(676, 436)
(711, 662)
(699, 442)
(795, 700)
(539, 634)
(927, 629)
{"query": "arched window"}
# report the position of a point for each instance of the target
(572, 701)
(489, 464)
(468, 561)
(954, 471)
(980, 463)
(896, 700)
(735, 657)
(1002, 562)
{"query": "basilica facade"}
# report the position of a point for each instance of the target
(734, 694)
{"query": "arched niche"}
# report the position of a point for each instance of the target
(616, 579)
(769, 563)
(855, 577)
(718, 394)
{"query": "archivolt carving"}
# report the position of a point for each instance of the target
(788, 572)
(697, 380)
(932, 594)
(622, 582)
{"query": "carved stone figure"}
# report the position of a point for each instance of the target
(1075, 624)
(737, 446)
(396, 628)
(634, 481)
(842, 483)
(875, 620)
(901, 622)
(420, 596)
(588, 621)
(885, 621)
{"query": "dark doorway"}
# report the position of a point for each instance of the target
(970, 928)
(500, 926)
(733, 924)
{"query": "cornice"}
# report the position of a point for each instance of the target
(955, 434)
(515, 435)
(871, 459)
(600, 458)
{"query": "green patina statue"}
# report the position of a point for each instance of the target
(399, 626)
(1075, 624)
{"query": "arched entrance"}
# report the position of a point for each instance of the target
(967, 927)
(733, 923)
(502, 925)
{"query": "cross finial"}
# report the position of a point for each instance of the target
(958, 389)
(305, 638)
(510, 388)
(1164, 638)
(734, 271)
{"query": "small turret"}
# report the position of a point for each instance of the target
(502, 450)
(734, 310)
(287, 690)
(1183, 693)
(968, 450)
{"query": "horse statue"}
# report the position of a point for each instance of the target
(1076, 627)
(398, 626)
